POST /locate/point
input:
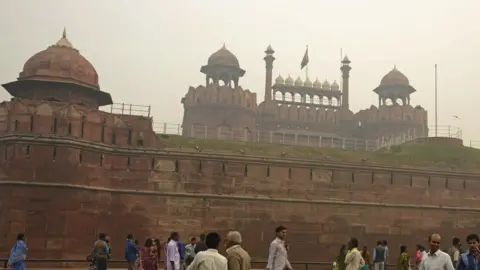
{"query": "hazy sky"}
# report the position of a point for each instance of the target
(150, 52)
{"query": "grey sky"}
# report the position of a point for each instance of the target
(150, 52)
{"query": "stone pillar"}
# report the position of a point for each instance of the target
(268, 75)
(345, 86)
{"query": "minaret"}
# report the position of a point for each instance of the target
(345, 76)
(268, 75)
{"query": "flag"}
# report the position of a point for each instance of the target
(304, 60)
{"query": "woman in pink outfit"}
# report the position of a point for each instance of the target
(146, 256)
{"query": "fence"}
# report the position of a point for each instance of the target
(302, 137)
(473, 144)
(128, 109)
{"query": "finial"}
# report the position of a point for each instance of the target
(269, 50)
(224, 47)
(395, 67)
(345, 60)
(64, 42)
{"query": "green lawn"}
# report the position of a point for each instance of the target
(424, 155)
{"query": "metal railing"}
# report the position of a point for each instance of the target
(474, 144)
(302, 137)
(128, 109)
(256, 263)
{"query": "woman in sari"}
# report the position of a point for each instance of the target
(340, 260)
(18, 253)
(403, 262)
(147, 262)
(158, 246)
(155, 253)
(366, 258)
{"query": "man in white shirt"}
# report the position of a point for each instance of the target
(210, 259)
(277, 254)
(435, 258)
(173, 255)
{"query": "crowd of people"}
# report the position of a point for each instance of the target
(204, 254)
(350, 258)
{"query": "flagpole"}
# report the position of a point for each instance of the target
(436, 118)
(306, 67)
(306, 71)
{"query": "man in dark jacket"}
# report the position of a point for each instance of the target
(201, 246)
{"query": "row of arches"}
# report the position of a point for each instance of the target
(308, 99)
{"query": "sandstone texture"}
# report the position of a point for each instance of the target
(62, 204)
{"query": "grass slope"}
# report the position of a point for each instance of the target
(423, 155)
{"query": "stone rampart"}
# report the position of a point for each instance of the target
(62, 192)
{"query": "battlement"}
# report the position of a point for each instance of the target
(393, 113)
(65, 119)
(214, 95)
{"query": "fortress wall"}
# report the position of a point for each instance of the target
(39, 163)
(65, 221)
(322, 207)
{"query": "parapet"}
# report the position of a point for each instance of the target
(21, 116)
(405, 113)
(220, 96)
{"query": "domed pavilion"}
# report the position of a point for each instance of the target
(59, 73)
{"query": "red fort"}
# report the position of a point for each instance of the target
(70, 170)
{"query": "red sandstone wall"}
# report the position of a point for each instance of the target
(163, 192)
(321, 207)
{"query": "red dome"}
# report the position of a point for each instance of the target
(61, 63)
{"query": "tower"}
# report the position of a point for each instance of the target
(394, 89)
(222, 66)
(268, 72)
(345, 68)
(220, 111)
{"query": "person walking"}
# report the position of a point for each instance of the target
(353, 260)
(131, 252)
(379, 256)
(403, 261)
(237, 257)
(18, 253)
(210, 259)
(190, 251)
(470, 260)
(101, 252)
(277, 254)
(172, 260)
(435, 258)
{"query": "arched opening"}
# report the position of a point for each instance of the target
(297, 98)
(288, 97)
(278, 95)
(334, 101)
(308, 99)
(325, 101)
